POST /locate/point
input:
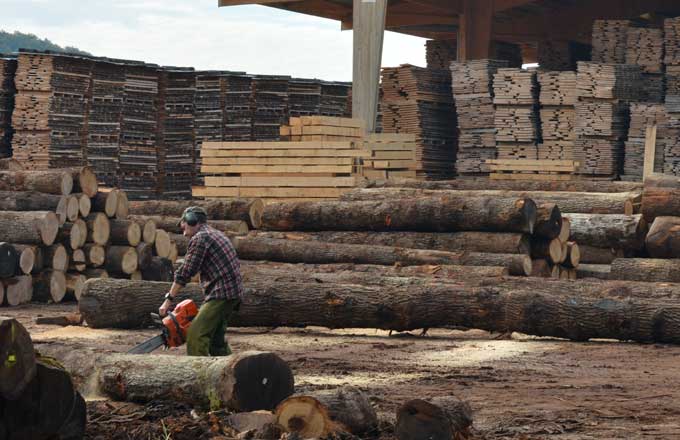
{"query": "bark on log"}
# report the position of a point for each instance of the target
(95, 255)
(577, 310)
(171, 224)
(507, 185)
(56, 257)
(599, 271)
(550, 250)
(247, 210)
(106, 202)
(608, 230)
(18, 290)
(162, 243)
(548, 221)
(85, 181)
(324, 412)
(663, 239)
(181, 242)
(646, 269)
(485, 242)
(596, 255)
(30, 258)
(660, 203)
(438, 418)
(84, 205)
(294, 251)
(9, 261)
(75, 283)
(662, 181)
(17, 358)
(144, 255)
(573, 256)
(29, 227)
(159, 269)
(67, 209)
(9, 164)
(49, 285)
(121, 259)
(44, 181)
(425, 215)
(125, 232)
(95, 273)
(123, 205)
(28, 201)
(245, 381)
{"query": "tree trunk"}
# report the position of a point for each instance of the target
(28, 201)
(121, 259)
(608, 231)
(181, 242)
(9, 261)
(571, 202)
(573, 255)
(85, 181)
(144, 255)
(15, 374)
(30, 258)
(548, 221)
(577, 310)
(595, 255)
(29, 227)
(438, 418)
(67, 209)
(247, 210)
(84, 205)
(95, 255)
(246, 381)
(162, 244)
(159, 269)
(663, 239)
(18, 290)
(432, 214)
(646, 269)
(323, 412)
(49, 285)
(56, 257)
(75, 283)
(78, 261)
(44, 181)
(508, 185)
(106, 202)
(486, 242)
(550, 250)
(125, 232)
(599, 271)
(171, 224)
(660, 203)
(294, 251)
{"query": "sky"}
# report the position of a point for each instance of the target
(196, 33)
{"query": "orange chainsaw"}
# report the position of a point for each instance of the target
(175, 327)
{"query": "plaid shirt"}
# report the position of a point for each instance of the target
(211, 253)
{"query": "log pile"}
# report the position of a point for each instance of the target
(610, 39)
(419, 101)
(642, 116)
(516, 114)
(8, 68)
(557, 100)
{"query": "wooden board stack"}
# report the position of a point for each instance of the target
(643, 115)
(336, 99)
(602, 111)
(516, 117)
(8, 68)
(672, 59)
(270, 112)
(554, 55)
(208, 114)
(238, 107)
(323, 128)
(50, 110)
(390, 156)
(557, 99)
(645, 48)
(609, 41)
(440, 53)
(530, 169)
(472, 84)
(304, 97)
(419, 101)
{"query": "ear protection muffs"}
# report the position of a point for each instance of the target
(191, 218)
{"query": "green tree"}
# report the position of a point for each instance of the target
(12, 42)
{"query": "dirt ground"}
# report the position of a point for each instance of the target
(518, 386)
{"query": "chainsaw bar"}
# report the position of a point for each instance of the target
(149, 345)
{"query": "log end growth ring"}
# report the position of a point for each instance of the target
(262, 381)
(305, 416)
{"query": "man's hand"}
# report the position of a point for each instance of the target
(163, 310)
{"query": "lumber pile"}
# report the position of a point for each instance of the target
(554, 55)
(322, 128)
(270, 106)
(672, 59)
(390, 156)
(472, 85)
(645, 48)
(418, 101)
(642, 116)
(439, 54)
(304, 97)
(557, 99)
(336, 99)
(208, 117)
(8, 68)
(530, 169)
(610, 38)
(238, 114)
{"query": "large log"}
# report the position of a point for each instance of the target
(18, 290)
(438, 418)
(84, 204)
(29, 227)
(432, 214)
(646, 269)
(85, 181)
(56, 257)
(572, 255)
(106, 202)
(550, 250)
(247, 210)
(510, 185)
(28, 201)
(171, 224)
(17, 358)
(317, 252)
(144, 255)
(608, 230)
(74, 234)
(159, 269)
(162, 244)
(9, 260)
(67, 209)
(660, 203)
(125, 232)
(121, 259)
(324, 412)
(44, 181)
(571, 202)
(599, 271)
(123, 205)
(486, 242)
(577, 310)
(95, 255)
(596, 255)
(30, 258)
(49, 286)
(663, 238)
(98, 228)
(548, 221)
(246, 381)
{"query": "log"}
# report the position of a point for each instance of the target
(324, 412)
(246, 381)
(548, 221)
(63, 320)
(174, 252)
(577, 310)
(171, 224)
(75, 234)
(573, 255)
(29, 227)
(608, 230)
(162, 244)
(144, 255)
(67, 209)
(95, 273)
(541, 268)
(49, 286)
(123, 205)
(75, 283)
(17, 358)
(84, 205)
(438, 418)
(295, 251)
(565, 232)
(2, 293)
(425, 215)
(550, 250)
(646, 269)
(660, 203)
(570, 202)
(98, 228)
(78, 261)
(29, 201)
(663, 238)
(595, 255)
(30, 258)
(56, 257)
(181, 242)
(106, 202)
(18, 290)
(45, 181)
(10, 164)
(159, 269)
(148, 231)
(486, 242)
(9, 261)
(121, 259)
(662, 181)
(125, 232)
(95, 255)
(508, 185)
(247, 210)
(85, 181)
(599, 271)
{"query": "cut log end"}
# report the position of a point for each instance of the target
(149, 232)
(87, 181)
(162, 244)
(84, 205)
(255, 214)
(49, 228)
(565, 232)
(66, 183)
(305, 416)
(27, 260)
(17, 358)
(18, 290)
(75, 283)
(262, 381)
(437, 419)
(99, 229)
(123, 205)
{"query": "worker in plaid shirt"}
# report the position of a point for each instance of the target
(211, 254)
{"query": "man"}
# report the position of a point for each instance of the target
(211, 254)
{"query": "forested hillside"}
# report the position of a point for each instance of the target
(11, 42)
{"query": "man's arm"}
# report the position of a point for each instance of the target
(198, 247)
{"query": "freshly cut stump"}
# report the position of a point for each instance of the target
(440, 418)
(17, 358)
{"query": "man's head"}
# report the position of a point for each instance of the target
(192, 219)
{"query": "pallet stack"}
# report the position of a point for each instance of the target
(336, 99)
(8, 68)
(208, 114)
(304, 97)
(610, 38)
(390, 156)
(557, 99)
(472, 84)
(238, 107)
(645, 48)
(642, 116)
(419, 101)
(270, 106)
(602, 113)
(440, 53)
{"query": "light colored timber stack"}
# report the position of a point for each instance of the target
(391, 156)
(672, 98)
(610, 39)
(557, 100)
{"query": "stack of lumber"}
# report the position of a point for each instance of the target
(645, 49)
(238, 115)
(472, 85)
(610, 39)
(439, 54)
(602, 112)
(175, 144)
(104, 120)
(390, 156)
(554, 55)
(304, 97)
(270, 106)
(322, 128)
(336, 99)
(642, 116)
(208, 114)
(557, 100)
(419, 101)
(531, 169)
(50, 113)
(8, 68)
(672, 58)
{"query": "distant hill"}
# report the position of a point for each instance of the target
(12, 42)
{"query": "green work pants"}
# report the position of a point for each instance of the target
(206, 333)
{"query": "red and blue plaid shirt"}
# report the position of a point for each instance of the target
(211, 254)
